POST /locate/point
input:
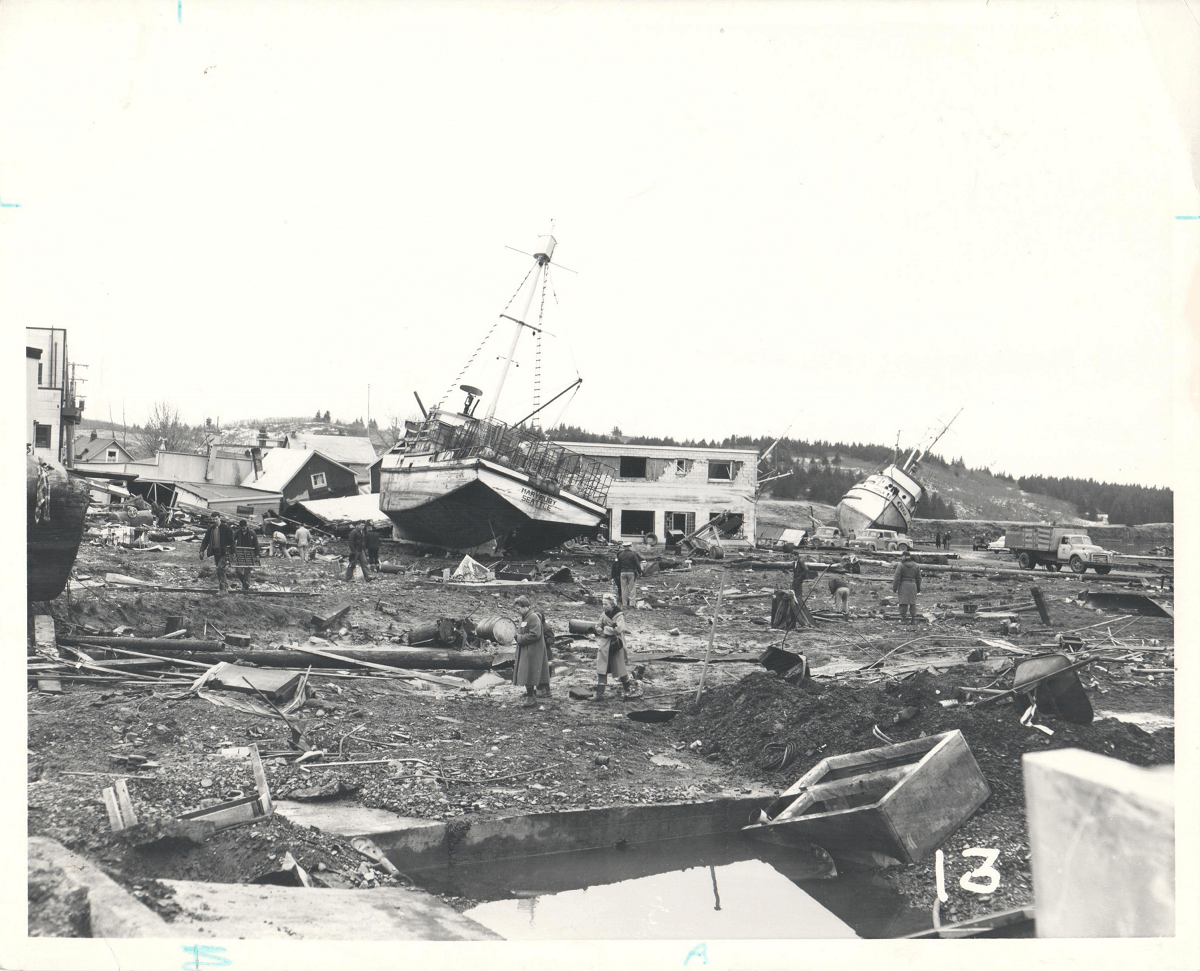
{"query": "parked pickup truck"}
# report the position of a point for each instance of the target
(1056, 546)
(828, 537)
(881, 539)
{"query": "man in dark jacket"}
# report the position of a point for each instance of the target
(358, 554)
(371, 537)
(625, 572)
(246, 544)
(906, 584)
(218, 543)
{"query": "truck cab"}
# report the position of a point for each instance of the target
(1079, 552)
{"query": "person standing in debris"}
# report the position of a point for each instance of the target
(946, 542)
(278, 544)
(800, 573)
(218, 543)
(627, 569)
(246, 543)
(371, 536)
(358, 554)
(303, 537)
(611, 655)
(532, 669)
(906, 584)
(937, 539)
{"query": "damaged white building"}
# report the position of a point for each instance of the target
(661, 488)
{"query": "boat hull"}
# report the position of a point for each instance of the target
(464, 504)
(56, 510)
(885, 500)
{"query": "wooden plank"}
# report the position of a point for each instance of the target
(128, 816)
(330, 617)
(228, 813)
(43, 634)
(114, 810)
(1043, 610)
(276, 684)
(50, 686)
(168, 644)
(260, 782)
(402, 672)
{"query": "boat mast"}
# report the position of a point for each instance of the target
(921, 451)
(544, 252)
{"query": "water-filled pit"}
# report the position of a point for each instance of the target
(706, 887)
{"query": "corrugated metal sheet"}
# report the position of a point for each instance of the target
(348, 509)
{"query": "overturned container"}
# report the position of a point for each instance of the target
(904, 800)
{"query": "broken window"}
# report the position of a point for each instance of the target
(41, 435)
(635, 522)
(683, 466)
(318, 480)
(633, 467)
(720, 470)
(245, 510)
(683, 522)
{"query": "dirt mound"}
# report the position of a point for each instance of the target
(818, 719)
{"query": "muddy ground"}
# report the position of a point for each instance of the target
(441, 752)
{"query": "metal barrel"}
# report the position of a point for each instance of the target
(497, 628)
(581, 626)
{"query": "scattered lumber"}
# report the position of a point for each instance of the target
(399, 672)
(418, 658)
(330, 617)
(165, 644)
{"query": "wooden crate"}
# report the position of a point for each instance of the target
(904, 800)
(244, 556)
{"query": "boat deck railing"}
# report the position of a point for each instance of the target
(550, 466)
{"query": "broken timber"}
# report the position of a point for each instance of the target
(400, 672)
(904, 800)
(421, 659)
(328, 619)
(165, 644)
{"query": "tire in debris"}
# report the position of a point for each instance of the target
(1025, 561)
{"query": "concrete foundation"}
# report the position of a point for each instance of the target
(69, 897)
(236, 910)
(413, 844)
(1102, 834)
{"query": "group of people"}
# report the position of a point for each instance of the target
(941, 540)
(534, 653)
(364, 551)
(906, 584)
(302, 550)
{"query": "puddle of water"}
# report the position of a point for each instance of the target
(673, 887)
(1150, 721)
(745, 900)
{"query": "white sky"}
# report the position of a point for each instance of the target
(849, 219)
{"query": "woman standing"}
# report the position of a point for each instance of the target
(533, 666)
(611, 654)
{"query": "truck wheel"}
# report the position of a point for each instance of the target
(1025, 561)
(891, 547)
(1104, 570)
(1053, 567)
(872, 547)
(1077, 565)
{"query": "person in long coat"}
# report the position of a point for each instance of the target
(218, 543)
(906, 584)
(611, 654)
(532, 669)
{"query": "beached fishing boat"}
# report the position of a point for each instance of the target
(56, 507)
(887, 498)
(903, 800)
(459, 481)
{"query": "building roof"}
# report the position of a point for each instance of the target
(281, 465)
(206, 490)
(665, 451)
(85, 446)
(344, 449)
(348, 509)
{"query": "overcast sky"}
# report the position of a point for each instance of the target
(847, 219)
